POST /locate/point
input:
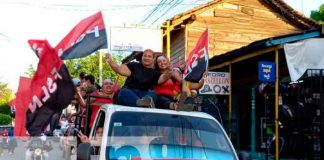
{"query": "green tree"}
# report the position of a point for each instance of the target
(6, 93)
(318, 15)
(5, 109)
(5, 119)
(90, 65)
(30, 71)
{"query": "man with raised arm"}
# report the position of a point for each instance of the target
(141, 77)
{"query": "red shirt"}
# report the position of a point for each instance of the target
(168, 88)
(4, 133)
(95, 109)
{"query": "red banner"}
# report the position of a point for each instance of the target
(197, 62)
(21, 104)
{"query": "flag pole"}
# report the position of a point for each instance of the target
(100, 68)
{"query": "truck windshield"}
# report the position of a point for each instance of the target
(155, 135)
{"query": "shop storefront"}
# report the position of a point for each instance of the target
(270, 113)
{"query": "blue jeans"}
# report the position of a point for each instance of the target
(128, 97)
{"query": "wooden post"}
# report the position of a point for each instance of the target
(277, 105)
(230, 104)
(168, 41)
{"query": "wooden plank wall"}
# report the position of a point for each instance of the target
(178, 47)
(236, 24)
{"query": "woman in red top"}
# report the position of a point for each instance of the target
(169, 90)
(95, 103)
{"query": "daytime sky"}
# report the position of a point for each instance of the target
(53, 19)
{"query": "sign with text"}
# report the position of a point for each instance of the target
(267, 71)
(217, 83)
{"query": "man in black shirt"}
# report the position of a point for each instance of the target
(141, 77)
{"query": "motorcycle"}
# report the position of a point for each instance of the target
(39, 149)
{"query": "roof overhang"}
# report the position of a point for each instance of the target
(260, 47)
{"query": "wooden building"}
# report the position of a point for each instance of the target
(232, 24)
(241, 34)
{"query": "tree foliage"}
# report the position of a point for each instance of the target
(318, 15)
(5, 109)
(90, 65)
(5, 119)
(30, 71)
(6, 93)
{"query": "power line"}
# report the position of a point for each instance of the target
(154, 10)
(171, 7)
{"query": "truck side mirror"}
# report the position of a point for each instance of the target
(84, 151)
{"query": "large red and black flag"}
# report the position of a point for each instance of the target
(51, 90)
(85, 38)
(197, 62)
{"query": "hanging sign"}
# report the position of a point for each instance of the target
(217, 83)
(267, 71)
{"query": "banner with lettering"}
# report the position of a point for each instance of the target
(217, 83)
(51, 90)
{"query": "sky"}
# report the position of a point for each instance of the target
(53, 19)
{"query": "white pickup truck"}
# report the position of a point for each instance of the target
(132, 133)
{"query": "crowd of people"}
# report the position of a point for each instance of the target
(152, 83)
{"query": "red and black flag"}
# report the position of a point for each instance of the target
(51, 90)
(85, 38)
(197, 62)
(37, 46)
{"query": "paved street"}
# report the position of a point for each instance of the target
(55, 154)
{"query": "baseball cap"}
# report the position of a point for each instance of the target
(76, 81)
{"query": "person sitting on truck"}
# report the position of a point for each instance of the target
(172, 94)
(168, 90)
(141, 78)
(95, 103)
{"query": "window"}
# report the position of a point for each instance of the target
(156, 135)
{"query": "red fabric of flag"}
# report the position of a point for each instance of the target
(22, 102)
(197, 62)
(47, 69)
(51, 89)
(85, 38)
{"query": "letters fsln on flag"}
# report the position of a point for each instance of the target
(197, 62)
(51, 90)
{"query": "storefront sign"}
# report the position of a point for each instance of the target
(216, 83)
(267, 71)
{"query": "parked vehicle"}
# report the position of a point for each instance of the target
(145, 133)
